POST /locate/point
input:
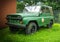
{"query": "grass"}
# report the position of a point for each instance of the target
(42, 35)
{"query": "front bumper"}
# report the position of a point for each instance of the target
(16, 25)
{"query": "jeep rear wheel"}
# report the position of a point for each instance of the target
(31, 28)
(50, 24)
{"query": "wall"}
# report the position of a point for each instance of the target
(6, 7)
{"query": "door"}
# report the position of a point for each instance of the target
(44, 16)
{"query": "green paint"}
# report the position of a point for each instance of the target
(41, 18)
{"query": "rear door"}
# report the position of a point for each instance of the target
(44, 16)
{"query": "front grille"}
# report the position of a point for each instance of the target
(13, 21)
(14, 18)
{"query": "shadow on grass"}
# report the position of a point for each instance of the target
(20, 31)
(7, 36)
(43, 28)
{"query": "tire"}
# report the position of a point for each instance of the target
(50, 24)
(31, 28)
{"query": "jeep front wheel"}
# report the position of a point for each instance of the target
(31, 28)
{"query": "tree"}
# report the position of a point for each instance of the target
(20, 6)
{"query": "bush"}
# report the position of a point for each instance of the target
(20, 6)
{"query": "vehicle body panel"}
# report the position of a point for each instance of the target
(38, 19)
(25, 17)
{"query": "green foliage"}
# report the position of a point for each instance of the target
(54, 3)
(20, 6)
(59, 18)
(42, 35)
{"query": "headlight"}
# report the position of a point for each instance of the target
(21, 22)
(20, 18)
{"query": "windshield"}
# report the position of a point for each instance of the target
(32, 9)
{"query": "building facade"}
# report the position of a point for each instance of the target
(6, 7)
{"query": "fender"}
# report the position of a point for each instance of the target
(26, 20)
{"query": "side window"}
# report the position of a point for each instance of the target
(45, 10)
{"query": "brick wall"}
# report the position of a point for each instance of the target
(6, 7)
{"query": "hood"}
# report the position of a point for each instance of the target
(26, 14)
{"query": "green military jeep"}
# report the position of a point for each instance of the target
(31, 18)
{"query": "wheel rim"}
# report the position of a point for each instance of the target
(33, 29)
(50, 25)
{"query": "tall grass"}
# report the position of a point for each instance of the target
(42, 35)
